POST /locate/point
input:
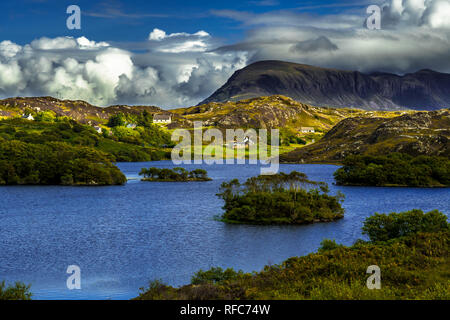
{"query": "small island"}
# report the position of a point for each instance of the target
(279, 199)
(173, 175)
(394, 170)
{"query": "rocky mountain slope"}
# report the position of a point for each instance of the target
(423, 90)
(419, 133)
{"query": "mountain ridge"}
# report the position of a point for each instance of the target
(326, 87)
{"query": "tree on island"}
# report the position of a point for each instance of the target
(177, 174)
(279, 199)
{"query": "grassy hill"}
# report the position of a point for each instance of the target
(78, 110)
(74, 133)
(418, 133)
(337, 131)
(272, 112)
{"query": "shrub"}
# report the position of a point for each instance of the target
(383, 227)
(18, 291)
(327, 245)
(215, 275)
(394, 170)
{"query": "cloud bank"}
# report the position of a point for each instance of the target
(176, 70)
(180, 69)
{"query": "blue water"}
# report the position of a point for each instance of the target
(123, 236)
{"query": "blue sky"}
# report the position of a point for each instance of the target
(176, 53)
(26, 20)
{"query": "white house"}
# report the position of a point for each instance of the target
(162, 118)
(131, 126)
(307, 130)
(28, 117)
(98, 129)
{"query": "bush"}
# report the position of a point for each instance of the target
(394, 170)
(18, 291)
(215, 275)
(383, 227)
(327, 245)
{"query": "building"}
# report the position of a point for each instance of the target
(131, 126)
(307, 130)
(98, 129)
(28, 117)
(162, 118)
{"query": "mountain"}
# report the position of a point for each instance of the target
(423, 90)
(418, 133)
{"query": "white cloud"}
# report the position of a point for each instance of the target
(9, 49)
(157, 35)
(437, 15)
(85, 43)
(176, 71)
(415, 35)
(180, 42)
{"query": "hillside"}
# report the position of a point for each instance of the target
(271, 112)
(421, 133)
(423, 90)
(78, 110)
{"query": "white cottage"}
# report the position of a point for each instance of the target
(28, 117)
(307, 130)
(162, 118)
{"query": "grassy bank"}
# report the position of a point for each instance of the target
(413, 258)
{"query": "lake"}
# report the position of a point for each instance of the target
(124, 236)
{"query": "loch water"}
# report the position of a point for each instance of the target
(122, 237)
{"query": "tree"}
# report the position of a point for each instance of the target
(383, 227)
(18, 291)
(199, 174)
(116, 120)
(45, 116)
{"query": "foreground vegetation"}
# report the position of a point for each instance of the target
(394, 170)
(143, 143)
(59, 151)
(18, 291)
(175, 175)
(279, 199)
(55, 163)
(413, 256)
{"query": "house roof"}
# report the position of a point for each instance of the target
(162, 117)
(306, 128)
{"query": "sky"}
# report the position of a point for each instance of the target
(175, 53)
